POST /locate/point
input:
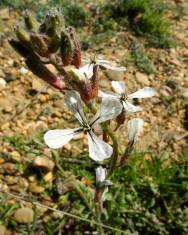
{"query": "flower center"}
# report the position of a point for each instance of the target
(86, 127)
(123, 97)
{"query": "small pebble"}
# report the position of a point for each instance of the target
(24, 71)
(34, 188)
(143, 79)
(24, 215)
(2, 83)
(48, 177)
(16, 156)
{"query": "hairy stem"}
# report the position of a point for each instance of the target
(114, 157)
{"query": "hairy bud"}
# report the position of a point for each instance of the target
(53, 22)
(41, 71)
(76, 60)
(39, 45)
(66, 48)
(30, 22)
(91, 87)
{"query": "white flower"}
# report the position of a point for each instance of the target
(135, 127)
(100, 174)
(86, 71)
(119, 88)
(102, 182)
(98, 149)
(102, 63)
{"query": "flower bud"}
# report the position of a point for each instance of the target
(66, 48)
(75, 79)
(135, 127)
(91, 87)
(76, 60)
(52, 22)
(22, 49)
(37, 67)
(30, 22)
(54, 43)
(22, 35)
(39, 45)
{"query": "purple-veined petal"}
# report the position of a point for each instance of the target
(98, 149)
(143, 93)
(57, 138)
(110, 108)
(118, 87)
(130, 107)
(135, 127)
(100, 174)
(74, 103)
(87, 70)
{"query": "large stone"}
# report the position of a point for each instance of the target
(143, 79)
(114, 75)
(24, 215)
(44, 162)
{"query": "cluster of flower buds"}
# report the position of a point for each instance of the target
(52, 43)
(48, 43)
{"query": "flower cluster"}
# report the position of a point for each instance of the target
(52, 43)
(98, 149)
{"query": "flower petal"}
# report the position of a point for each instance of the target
(57, 138)
(108, 94)
(74, 103)
(118, 87)
(143, 93)
(109, 109)
(101, 61)
(130, 107)
(103, 198)
(114, 68)
(85, 60)
(135, 127)
(100, 174)
(87, 70)
(98, 149)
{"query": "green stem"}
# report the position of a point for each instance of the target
(114, 156)
(98, 210)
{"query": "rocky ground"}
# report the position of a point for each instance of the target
(28, 105)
